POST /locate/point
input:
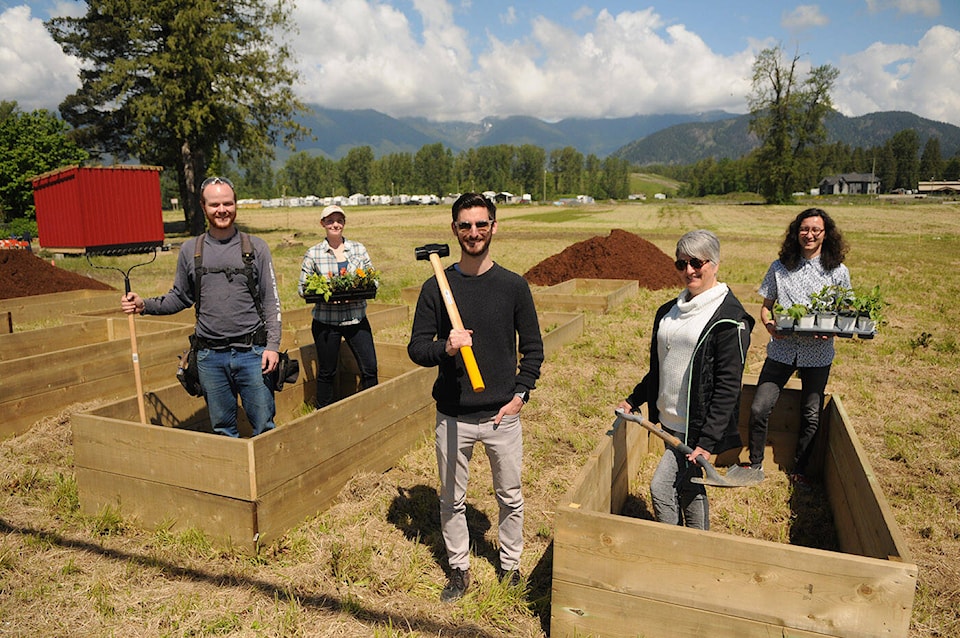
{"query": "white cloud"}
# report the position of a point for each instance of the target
(36, 73)
(929, 8)
(510, 17)
(804, 16)
(922, 79)
(625, 64)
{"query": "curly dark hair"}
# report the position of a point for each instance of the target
(834, 248)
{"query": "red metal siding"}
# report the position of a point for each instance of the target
(90, 207)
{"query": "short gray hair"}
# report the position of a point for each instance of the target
(700, 243)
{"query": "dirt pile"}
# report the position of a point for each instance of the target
(24, 274)
(620, 255)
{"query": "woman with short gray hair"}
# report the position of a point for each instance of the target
(697, 355)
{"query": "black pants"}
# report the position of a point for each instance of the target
(773, 377)
(326, 338)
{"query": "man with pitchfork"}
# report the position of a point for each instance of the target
(229, 279)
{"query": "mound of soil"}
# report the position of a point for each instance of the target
(24, 274)
(621, 255)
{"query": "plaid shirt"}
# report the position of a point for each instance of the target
(321, 260)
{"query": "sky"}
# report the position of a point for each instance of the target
(554, 59)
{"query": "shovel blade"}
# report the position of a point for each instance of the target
(736, 477)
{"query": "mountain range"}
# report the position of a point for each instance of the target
(641, 139)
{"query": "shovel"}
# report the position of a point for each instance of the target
(132, 326)
(713, 478)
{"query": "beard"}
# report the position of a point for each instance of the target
(476, 248)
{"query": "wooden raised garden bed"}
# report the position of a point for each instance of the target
(89, 356)
(249, 491)
(620, 576)
(595, 295)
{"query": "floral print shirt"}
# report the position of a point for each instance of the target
(795, 286)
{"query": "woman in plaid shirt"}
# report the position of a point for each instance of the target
(342, 319)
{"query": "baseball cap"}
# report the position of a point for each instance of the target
(329, 210)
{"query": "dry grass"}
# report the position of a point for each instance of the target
(372, 565)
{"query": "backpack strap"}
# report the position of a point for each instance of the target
(249, 256)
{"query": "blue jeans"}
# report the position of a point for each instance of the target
(227, 373)
(677, 501)
(326, 338)
(773, 376)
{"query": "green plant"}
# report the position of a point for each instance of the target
(832, 298)
(797, 310)
(344, 281)
(870, 303)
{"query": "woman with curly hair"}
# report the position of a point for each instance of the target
(811, 257)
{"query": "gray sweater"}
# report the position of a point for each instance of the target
(227, 308)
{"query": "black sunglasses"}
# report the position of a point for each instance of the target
(216, 180)
(697, 264)
(483, 224)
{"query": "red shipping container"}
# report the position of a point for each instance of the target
(99, 208)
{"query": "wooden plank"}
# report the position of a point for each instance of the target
(797, 588)
(869, 527)
(596, 295)
(152, 505)
(193, 460)
(578, 610)
(37, 308)
(325, 433)
(559, 329)
(316, 489)
(591, 490)
(18, 415)
(32, 342)
(75, 366)
(6, 319)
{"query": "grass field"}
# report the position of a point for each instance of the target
(373, 564)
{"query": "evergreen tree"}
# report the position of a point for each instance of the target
(172, 83)
(931, 165)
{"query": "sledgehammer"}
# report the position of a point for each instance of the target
(434, 252)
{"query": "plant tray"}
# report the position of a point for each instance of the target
(346, 295)
(818, 332)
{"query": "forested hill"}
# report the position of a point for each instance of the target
(334, 132)
(686, 144)
(641, 139)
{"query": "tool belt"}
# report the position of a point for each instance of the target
(256, 338)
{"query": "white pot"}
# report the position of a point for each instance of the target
(784, 321)
(806, 321)
(866, 324)
(826, 320)
(846, 323)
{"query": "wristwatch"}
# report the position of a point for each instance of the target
(524, 396)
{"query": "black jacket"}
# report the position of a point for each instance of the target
(718, 362)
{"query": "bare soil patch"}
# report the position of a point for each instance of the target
(619, 255)
(25, 274)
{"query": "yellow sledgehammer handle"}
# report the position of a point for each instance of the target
(469, 361)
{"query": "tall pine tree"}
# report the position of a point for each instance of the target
(175, 83)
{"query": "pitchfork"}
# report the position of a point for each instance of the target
(130, 322)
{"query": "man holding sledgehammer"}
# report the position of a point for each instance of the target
(477, 309)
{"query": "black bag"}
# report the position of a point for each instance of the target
(187, 373)
(287, 371)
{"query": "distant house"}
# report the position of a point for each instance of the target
(850, 184)
(938, 188)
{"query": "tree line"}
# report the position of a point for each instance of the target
(899, 163)
(436, 170)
